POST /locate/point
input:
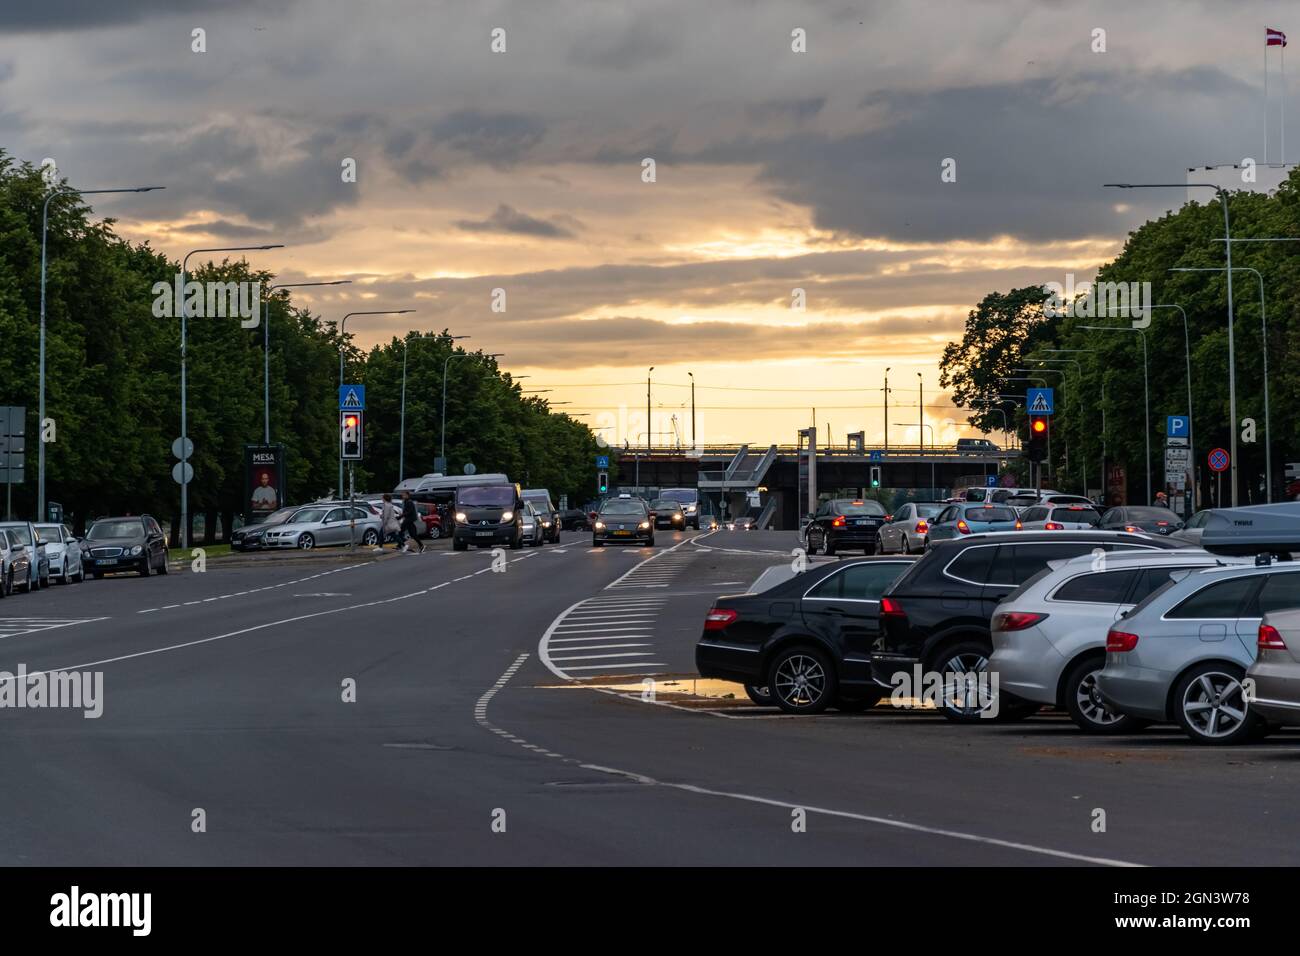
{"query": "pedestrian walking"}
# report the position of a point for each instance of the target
(389, 526)
(408, 529)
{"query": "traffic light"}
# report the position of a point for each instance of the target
(1039, 429)
(351, 428)
(875, 476)
(602, 482)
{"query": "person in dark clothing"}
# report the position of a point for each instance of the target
(409, 517)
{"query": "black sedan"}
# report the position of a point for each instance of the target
(804, 644)
(668, 514)
(134, 543)
(251, 536)
(623, 519)
(845, 525)
(1150, 519)
(574, 519)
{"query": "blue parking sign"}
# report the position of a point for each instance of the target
(1178, 426)
(990, 481)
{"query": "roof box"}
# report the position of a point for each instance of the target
(1254, 529)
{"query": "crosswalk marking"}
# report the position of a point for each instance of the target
(18, 626)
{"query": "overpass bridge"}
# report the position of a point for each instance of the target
(776, 477)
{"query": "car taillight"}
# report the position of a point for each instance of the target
(1053, 526)
(1019, 526)
(889, 607)
(922, 527)
(718, 619)
(1162, 524)
(963, 527)
(1129, 527)
(1270, 639)
(1120, 641)
(838, 522)
(1016, 620)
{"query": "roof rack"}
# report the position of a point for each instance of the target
(1254, 530)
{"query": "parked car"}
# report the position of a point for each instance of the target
(1075, 517)
(130, 543)
(488, 515)
(1149, 518)
(533, 527)
(957, 520)
(1275, 672)
(541, 500)
(668, 514)
(251, 537)
(1191, 531)
(1049, 637)
(904, 531)
(316, 526)
(977, 446)
(845, 524)
(39, 571)
(622, 519)
(937, 615)
(15, 565)
(804, 644)
(64, 553)
(574, 519)
(1180, 656)
(430, 518)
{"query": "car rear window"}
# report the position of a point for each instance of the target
(928, 511)
(1151, 580)
(1032, 558)
(973, 564)
(860, 582)
(1086, 516)
(1103, 587)
(1279, 592)
(874, 508)
(990, 513)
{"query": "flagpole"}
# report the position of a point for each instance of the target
(1282, 54)
(1266, 97)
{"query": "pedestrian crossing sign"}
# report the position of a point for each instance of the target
(352, 398)
(1040, 401)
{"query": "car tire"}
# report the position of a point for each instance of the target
(828, 547)
(517, 543)
(860, 703)
(5, 585)
(146, 566)
(1089, 712)
(925, 544)
(458, 544)
(99, 575)
(370, 538)
(306, 541)
(880, 544)
(759, 695)
(650, 541)
(1205, 696)
(597, 544)
(963, 657)
(162, 565)
(801, 680)
(435, 533)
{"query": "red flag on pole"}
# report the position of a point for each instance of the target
(1274, 37)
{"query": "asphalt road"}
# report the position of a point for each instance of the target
(501, 717)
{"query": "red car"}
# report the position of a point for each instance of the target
(432, 520)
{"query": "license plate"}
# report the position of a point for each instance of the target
(861, 521)
(108, 560)
(623, 532)
(482, 534)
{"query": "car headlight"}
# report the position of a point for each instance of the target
(507, 516)
(690, 509)
(599, 526)
(136, 550)
(546, 524)
(643, 525)
(460, 516)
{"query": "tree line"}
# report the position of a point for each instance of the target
(1099, 375)
(113, 382)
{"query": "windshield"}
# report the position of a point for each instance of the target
(1151, 514)
(277, 517)
(622, 506)
(1086, 516)
(310, 514)
(665, 504)
(22, 534)
(114, 529)
(495, 496)
(862, 508)
(990, 513)
(683, 496)
(50, 532)
(541, 502)
(928, 511)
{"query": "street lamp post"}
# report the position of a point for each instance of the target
(1268, 433)
(401, 442)
(1232, 361)
(1146, 387)
(184, 456)
(266, 346)
(343, 331)
(40, 414)
(649, 431)
(694, 444)
(886, 411)
(1191, 433)
(443, 447)
(1083, 458)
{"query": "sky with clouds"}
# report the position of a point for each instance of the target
(775, 170)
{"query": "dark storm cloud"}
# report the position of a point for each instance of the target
(499, 139)
(785, 111)
(643, 41)
(50, 16)
(510, 221)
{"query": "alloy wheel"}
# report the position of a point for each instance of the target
(1214, 705)
(799, 680)
(1088, 698)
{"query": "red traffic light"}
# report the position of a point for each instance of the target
(350, 421)
(1038, 425)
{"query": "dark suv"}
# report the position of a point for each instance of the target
(488, 515)
(134, 543)
(938, 614)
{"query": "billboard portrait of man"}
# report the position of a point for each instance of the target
(265, 499)
(263, 479)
